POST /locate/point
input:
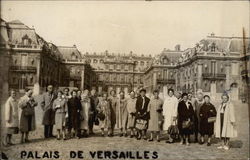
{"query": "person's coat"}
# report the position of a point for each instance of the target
(185, 113)
(23, 125)
(141, 110)
(207, 111)
(170, 107)
(228, 130)
(11, 112)
(122, 113)
(74, 108)
(85, 113)
(114, 110)
(47, 107)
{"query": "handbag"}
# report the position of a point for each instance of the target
(101, 116)
(173, 129)
(141, 124)
(28, 110)
(211, 119)
(187, 124)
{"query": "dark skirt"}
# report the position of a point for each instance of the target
(12, 130)
(206, 128)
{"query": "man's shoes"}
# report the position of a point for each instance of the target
(151, 140)
(208, 144)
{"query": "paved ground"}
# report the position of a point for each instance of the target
(239, 150)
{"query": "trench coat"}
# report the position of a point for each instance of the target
(154, 107)
(131, 112)
(85, 113)
(11, 112)
(228, 129)
(47, 105)
(185, 113)
(170, 106)
(122, 114)
(24, 121)
(207, 110)
(60, 108)
(197, 107)
(114, 111)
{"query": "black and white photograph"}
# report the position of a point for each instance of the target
(124, 80)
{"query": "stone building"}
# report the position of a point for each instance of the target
(118, 71)
(81, 74)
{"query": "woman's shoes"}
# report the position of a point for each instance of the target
(208, 144)
(158, 140)
(201, 143)
(151, 140)
(187, 143)
(220, 147)
(226, 148)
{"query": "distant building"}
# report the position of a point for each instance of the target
(119, 72)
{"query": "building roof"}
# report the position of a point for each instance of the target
(18, 31)
(70, 52)
(3, 32)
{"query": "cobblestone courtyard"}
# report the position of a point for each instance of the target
(239, 150)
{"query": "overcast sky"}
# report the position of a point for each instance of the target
(122, 26)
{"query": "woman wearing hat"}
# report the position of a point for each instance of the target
(104, 114)
(185, 119)
(155, 111)
(225, 127)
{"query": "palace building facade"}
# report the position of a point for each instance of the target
(214, 65)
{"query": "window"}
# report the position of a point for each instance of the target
(142, 63)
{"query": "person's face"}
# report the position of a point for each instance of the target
(105, 96)
(59, 95)
(93, 92)
(200, 96)
(224, 99)
(66, 91)
(142, 93)
(170, 93)
(122, 95)
(185, 98)
(207, 99)
(13, 94)
(156, 95)
(132, 94)
(79, 93)
(189, 96)
(112, 93)
(29, 93)
(50, 89)
(73, 94)
(178, 95)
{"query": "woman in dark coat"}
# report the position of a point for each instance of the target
(207, 112)
(142, 114)
(74, 107)
(185, 119)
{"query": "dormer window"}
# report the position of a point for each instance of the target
(213, 47)
(73, 56)
(26, 40)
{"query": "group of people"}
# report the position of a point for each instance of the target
(75, 113)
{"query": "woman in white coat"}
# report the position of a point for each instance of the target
(225, 122)
(170, 106)
(11, 117)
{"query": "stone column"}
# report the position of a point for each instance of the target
(154, 80)
(228, 76)
(37, 89)
(82, 78)
(199, 76)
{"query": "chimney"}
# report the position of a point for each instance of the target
(177, 47)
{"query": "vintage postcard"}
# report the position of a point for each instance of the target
(163, 80)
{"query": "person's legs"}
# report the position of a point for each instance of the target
(151, 136)
(226, 143)
(144, 132)
(51, 131)
(102, 129)
(46, 131)
(26, 136)
(187, 139)
(58, 134)
(22, 137)
(209, 140)
(121, 132)
(158, 136)
(139, 132)
(63, 134)
(202, 139)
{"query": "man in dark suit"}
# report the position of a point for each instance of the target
(142, 114)
(48, 114)
(94, 102)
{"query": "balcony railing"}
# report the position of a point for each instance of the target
(23, 68)
(245, 72)
(166, 80)
(213, 76)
